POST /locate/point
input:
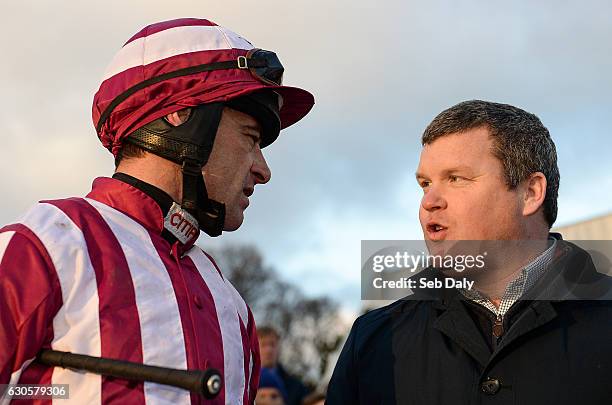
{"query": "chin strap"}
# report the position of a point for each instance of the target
(190, 145)
(210, 214)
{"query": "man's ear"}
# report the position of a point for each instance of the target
(534, 193)
(178, 117)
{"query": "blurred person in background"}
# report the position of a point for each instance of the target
(269, 349)
(271, 389)
(185, 107)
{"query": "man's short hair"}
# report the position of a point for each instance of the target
(265, 331)
(128, 151)
(521, 142)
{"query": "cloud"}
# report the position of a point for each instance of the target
(380, 73)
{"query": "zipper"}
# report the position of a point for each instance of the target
(498, 330)
(498, 326)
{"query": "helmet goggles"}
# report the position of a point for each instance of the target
(263, 65)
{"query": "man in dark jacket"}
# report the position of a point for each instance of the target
(269, 349)
(537, 331)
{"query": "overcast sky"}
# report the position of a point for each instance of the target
(380, 71)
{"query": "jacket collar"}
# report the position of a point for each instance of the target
(571, 276)
(138, 205)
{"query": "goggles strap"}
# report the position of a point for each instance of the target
(240, 63)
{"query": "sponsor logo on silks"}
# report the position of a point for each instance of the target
(181, 224)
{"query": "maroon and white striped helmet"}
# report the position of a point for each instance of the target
(139, 85)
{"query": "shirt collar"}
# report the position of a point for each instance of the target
(534, 270)
(528, 276)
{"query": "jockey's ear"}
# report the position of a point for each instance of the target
(179, 117)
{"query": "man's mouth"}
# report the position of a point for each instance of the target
(247, 192)
(436, 231)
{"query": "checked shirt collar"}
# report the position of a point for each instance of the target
(529, 275)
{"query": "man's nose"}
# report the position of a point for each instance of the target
(260, 169)
(433, 199)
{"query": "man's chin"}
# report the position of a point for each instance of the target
(439, 247)
(233, 222)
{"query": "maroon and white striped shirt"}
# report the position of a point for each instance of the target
(94, 276)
